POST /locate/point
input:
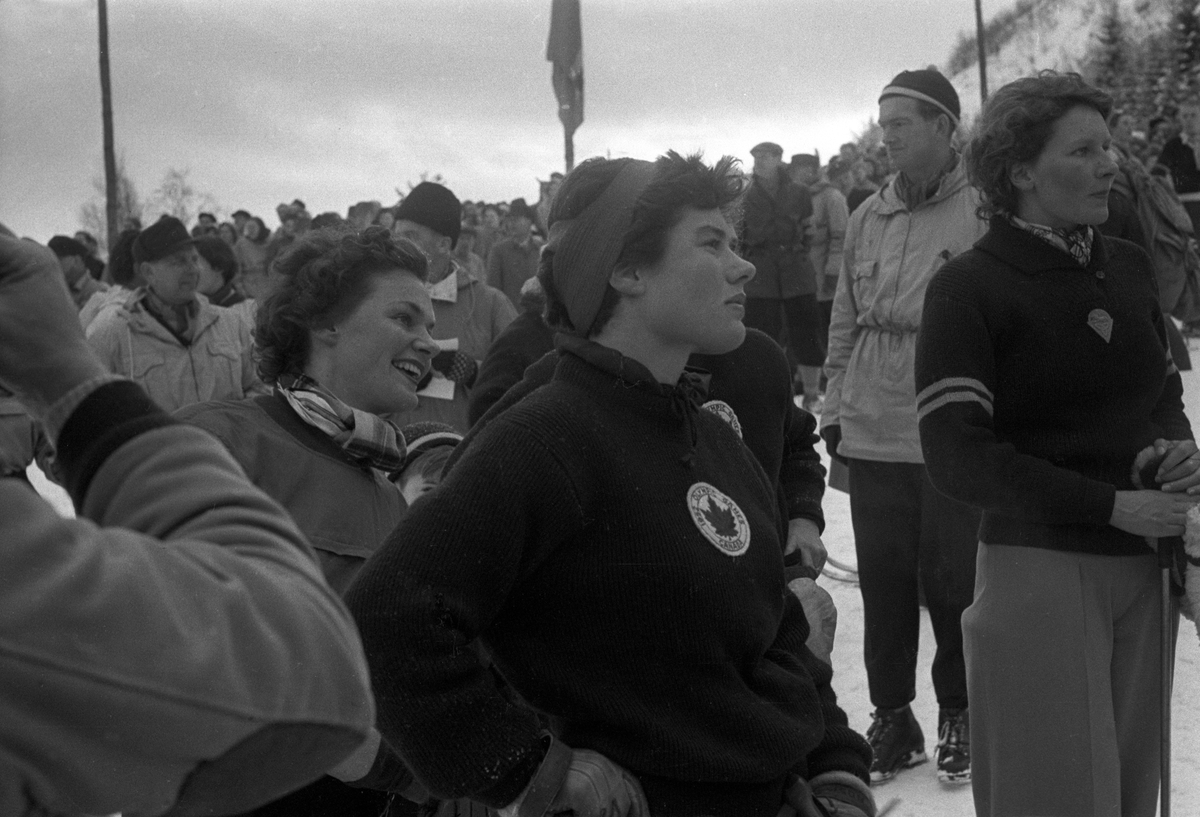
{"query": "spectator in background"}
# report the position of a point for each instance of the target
(124, 276)
(228, 232)
(327, 219)
(546, 192)
(464, 253)
(362, 215)
(828, 229)
(72, 257)
(385, 218)
(470, 314)
(783, 293)
(218, 268)
(487, 232)
(522, 343)
(1179, 156)
(251, 252)
(94, 264)
(178, 347)
(240, 217)
(907, 534)
(863, 173)
(514, 260)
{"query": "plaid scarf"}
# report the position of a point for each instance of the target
(1076, 243)
(365, 437)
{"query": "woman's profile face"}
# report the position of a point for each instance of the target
(1067, 184)
(695, 294)
(382, 349)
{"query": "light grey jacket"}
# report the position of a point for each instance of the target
(890, 255)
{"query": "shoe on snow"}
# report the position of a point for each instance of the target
(896, 743)
(954, 746)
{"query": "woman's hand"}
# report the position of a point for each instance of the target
(1151, 513)
(597, 787)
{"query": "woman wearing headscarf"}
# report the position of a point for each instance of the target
(615, 551)
(1043, 375)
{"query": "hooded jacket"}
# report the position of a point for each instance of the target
(215, 365)
(891, 254)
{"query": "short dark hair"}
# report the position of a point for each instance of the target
(1015, 126)
(680, 183)
(219, 255)
(64, 247)
(322, 277)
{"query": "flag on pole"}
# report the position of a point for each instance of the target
(565, 50)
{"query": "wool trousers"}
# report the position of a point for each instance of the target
(1063, 672)
(905, 529)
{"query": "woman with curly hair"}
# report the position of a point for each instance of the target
(1043, 374)
(616, 552)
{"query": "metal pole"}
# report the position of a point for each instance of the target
(979, 42)
(110, 159)
(1167, 649)
(569, 149)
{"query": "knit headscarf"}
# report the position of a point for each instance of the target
(586, 248)
(365, 437)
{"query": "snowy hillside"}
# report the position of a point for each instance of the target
(1050, 34)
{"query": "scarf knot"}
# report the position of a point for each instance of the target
(365, 437)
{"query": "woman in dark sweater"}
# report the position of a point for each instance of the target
(615, 551)
(1043, 373)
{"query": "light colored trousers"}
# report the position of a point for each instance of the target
(1062, 653)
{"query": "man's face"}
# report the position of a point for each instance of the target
(432, 243)
(804, 175)
(766, 163)
(913, 142)
(73, 268)
(174, 277)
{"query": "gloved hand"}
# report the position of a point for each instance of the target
(832, 435)
(43, 353)
(597, 787)
(456, 366)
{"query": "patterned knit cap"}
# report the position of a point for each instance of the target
(426, 436)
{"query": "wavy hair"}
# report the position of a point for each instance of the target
(320, 278)
(680, 183)
(1014, 128)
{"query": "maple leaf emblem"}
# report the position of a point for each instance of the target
(721, 518)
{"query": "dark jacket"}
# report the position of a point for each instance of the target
(521, 344)
(774, 240)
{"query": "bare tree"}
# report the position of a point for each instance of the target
(176, 196)
(93, 214)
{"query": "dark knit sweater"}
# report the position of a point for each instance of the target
(1025, 410)
(753, 380)
(563, 543)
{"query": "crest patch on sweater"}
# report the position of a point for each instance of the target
(1101, 322)
(719, 518)
(725, 412)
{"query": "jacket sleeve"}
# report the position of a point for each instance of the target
(251, 385)
(190, 599)
(105, 335)
(435, 586)
(801, 475)
(840, 748)
(955, 382)
(837, 214)
(843, 327)
(1168, 412)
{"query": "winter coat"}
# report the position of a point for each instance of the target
(774, 240)
(522, 343)
(175, 647)
(890, 256)
(828, 237)
(346, 509)
(510, 265)
(215, 365)
(475, 318)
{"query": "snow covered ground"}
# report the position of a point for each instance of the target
(917, 792)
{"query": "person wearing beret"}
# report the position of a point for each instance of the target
(615, 551)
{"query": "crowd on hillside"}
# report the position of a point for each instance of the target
(510, 509)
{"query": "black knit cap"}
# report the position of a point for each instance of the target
(926, 85)
(433, 206)
(160, 239)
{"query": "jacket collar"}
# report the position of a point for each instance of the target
(142, 321)
(1029, 254)
(952, 181)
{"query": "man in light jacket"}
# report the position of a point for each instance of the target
(174, 649)
(906, 534)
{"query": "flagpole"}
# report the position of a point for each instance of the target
(979, 42)
(111, 205)
(565, 50)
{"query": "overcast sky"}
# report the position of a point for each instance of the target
(334, 102)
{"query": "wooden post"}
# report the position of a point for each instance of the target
(979, 41)
(569, 149)
(110, 158)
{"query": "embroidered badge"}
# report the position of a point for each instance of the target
(1101, 321)
(719, 518)
(725, 412)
